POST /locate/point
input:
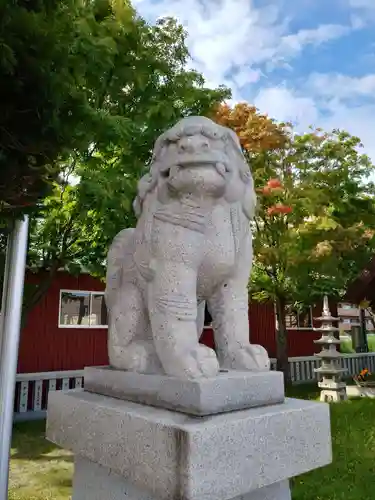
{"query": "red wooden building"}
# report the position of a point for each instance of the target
(67, 329)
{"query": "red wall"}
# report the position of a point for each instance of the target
(300, 342)
(46, 347)
(262, 331)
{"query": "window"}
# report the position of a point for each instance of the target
(345, 305)
(297, 318)
(80, 309)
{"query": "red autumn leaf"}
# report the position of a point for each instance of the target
(279, 208)
(274, 183)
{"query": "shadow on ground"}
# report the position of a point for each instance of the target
(29, 442)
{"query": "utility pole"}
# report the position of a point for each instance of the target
(10, 325)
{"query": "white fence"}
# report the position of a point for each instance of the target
(302, 368)
(32, 391)
(32, 388)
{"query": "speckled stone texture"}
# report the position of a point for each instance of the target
(172, 455)
(94, 482)
(228, 391)
(192, 245)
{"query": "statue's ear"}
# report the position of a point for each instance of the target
(234, 191)
(137, 207)
(145, 185)
(240, 188)
(249, 200)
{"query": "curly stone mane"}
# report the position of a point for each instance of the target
(230, 146)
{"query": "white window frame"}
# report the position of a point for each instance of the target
(346, 306)
(302, 328)
(91, 293)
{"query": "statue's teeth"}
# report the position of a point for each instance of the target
(220, 167)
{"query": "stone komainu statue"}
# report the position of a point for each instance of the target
(192, 245)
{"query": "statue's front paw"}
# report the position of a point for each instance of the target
(137, 357)
(251, 357)
(199, 362)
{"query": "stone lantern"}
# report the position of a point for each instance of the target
(330, 371)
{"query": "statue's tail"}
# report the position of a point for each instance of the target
(120, 255)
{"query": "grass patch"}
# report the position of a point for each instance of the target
(351, 475)
(347, 346)
(39, 470)
(42, 471)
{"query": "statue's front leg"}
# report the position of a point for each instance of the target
(229, 308)
(230, 321)
(173, 315)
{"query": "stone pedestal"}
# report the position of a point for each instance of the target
(123, 448)
(94, 482)
(229, 391)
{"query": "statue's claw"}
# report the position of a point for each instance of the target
(251, 357)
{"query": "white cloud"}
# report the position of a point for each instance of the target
(341, 86)
(363, 12)
(294, 44)
(362, 4)
(285, 105)
(232, 35)
(246, 75)
(322, 103)
(235, 43)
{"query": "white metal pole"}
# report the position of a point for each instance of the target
(9, 340)
(4, 295)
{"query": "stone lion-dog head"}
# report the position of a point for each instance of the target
(201, 160)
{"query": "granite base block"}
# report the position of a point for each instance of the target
(233, 390)
(353, 391)
(94, 482)
(173, 455)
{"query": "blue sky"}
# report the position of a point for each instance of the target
(311, 62)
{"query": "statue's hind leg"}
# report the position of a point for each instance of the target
(130, 346)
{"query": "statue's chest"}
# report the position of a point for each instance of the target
(220, 253)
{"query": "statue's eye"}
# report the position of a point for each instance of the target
(166, 173)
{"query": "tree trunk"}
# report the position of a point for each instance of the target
(282, 340)
(362, 320)
(39, 292)
(372, 316)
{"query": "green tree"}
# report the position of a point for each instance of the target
(53, 55)
(147, 83)
(314, 229)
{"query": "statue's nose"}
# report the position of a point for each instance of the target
(193, 144)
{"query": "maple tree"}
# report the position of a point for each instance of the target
(314, 226)
(256, 131)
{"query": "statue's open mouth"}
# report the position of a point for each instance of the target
(216, 161)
